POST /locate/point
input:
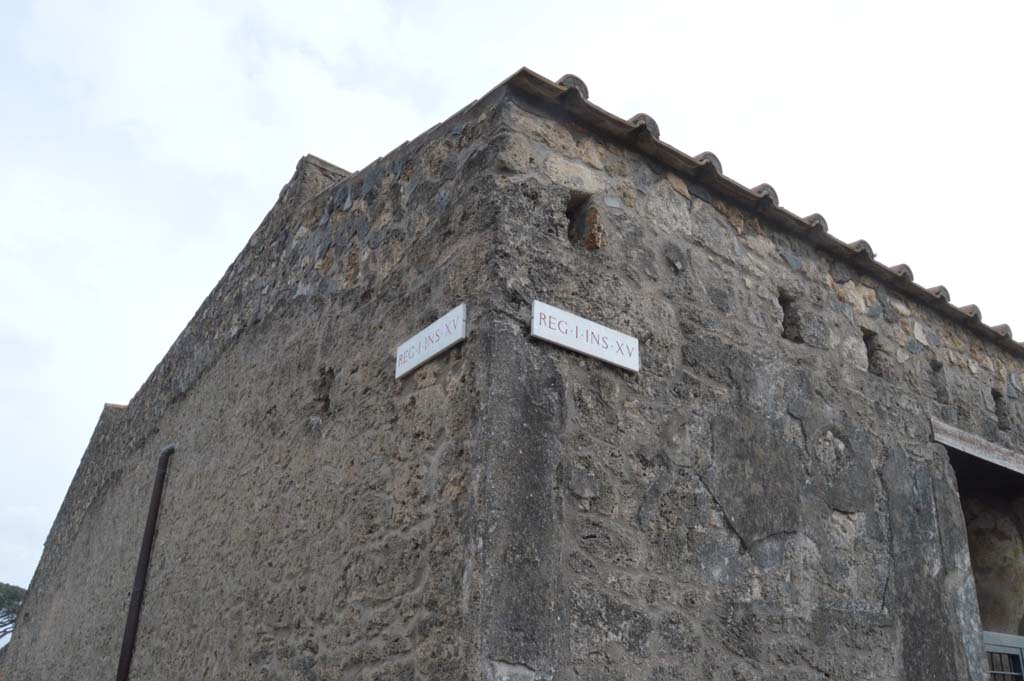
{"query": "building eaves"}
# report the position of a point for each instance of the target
(641, 134)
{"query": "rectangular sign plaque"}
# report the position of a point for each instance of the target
(446, 332)
(584, 336)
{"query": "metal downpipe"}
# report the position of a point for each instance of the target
(142, 569)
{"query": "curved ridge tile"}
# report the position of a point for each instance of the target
(1003, 330)
(816, 222)
(574, 82)
(903, 272)
(766, 193)
(939, 292)
(573, 100)
(972, 311)
(709, 162)
(642, 120)
(861, 248)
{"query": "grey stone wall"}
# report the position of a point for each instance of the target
(315, 520)
(762, 501)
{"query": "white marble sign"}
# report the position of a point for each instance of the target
(584, 336)
(446, 332)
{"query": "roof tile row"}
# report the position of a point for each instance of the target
(642, 133)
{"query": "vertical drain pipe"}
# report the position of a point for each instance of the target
(131, 626)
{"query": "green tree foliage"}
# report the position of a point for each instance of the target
(11, 598)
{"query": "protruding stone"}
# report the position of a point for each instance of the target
(921, 334)
(643, 120)
(940, 292)
(709, 160)
(576, 83)
(679, 184)
(586, 228)
(583, 484)
(794, 262)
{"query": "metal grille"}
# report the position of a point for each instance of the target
(1004, 666)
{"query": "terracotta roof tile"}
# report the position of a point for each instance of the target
(972, 311)
(708, 162)
(817, 222)
(642, 120)
(903, 271)
(767, 195)
(861, 248)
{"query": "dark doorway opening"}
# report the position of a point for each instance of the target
(992, 499)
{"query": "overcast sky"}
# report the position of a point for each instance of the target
(141, 143)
